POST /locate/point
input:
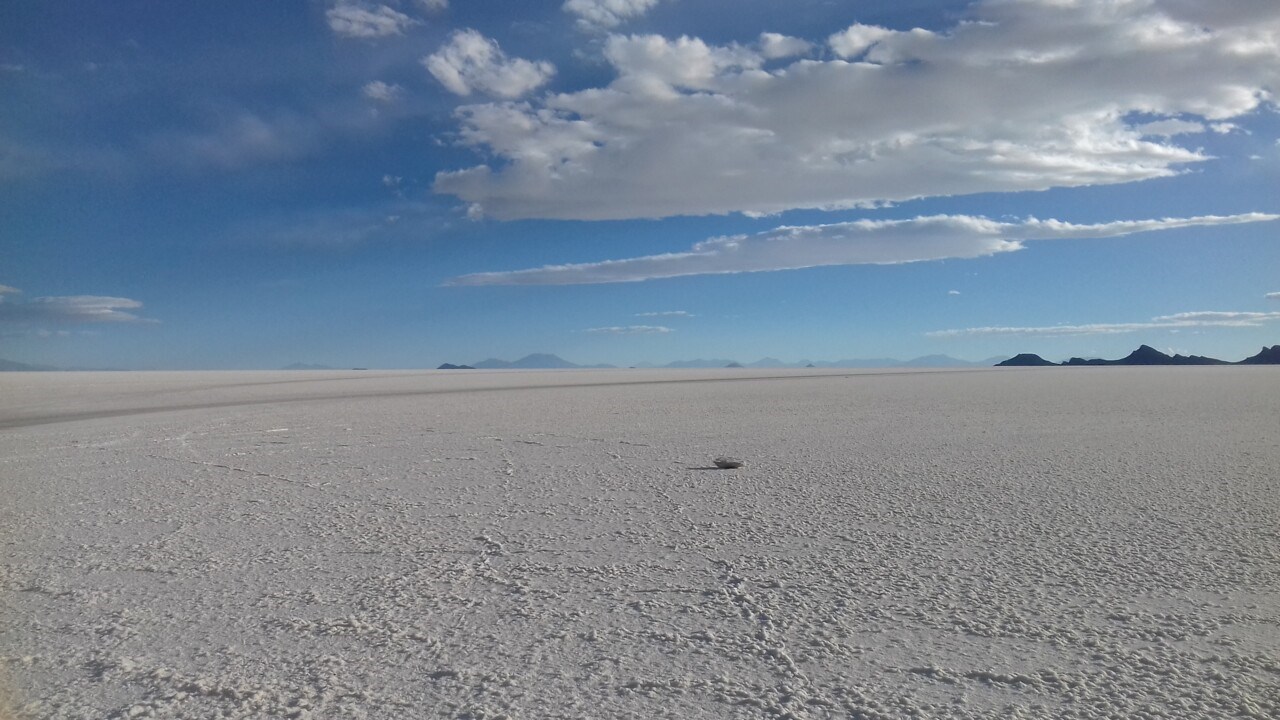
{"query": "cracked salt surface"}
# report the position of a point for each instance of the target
(1046, 543)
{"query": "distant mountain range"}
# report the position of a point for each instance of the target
(1147, 355)
(14, 366)
(1144, 355)
(547, 361)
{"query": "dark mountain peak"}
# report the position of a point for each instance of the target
(451, 366)
(1024, 360)
(1090, 361)
(1145, 355)
(1265, 356)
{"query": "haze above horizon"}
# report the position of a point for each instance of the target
(412, 182)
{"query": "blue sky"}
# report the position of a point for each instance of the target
(405, 183)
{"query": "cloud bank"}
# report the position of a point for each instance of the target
(1020, 96)
(862, 242)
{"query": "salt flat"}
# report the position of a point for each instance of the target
(1057, 542)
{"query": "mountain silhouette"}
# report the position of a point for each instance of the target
(305, 366)
(536, 361)
(1147, 355)
(15, 366)
(1266, 356)
(1025, 360)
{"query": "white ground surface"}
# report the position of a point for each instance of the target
(1014, 543)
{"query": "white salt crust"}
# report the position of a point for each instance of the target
(1013, 543)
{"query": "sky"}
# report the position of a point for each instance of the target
(404, 183)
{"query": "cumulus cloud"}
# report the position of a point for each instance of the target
(357, 20)
(862, 242)
(774, 46)
(606, 14)
(662, 69)
(630, 330)
(858, 38)
(667, 313)
(1165, 322)
(68, 309)
(1020, 96)
(382, 92)
(472, 62)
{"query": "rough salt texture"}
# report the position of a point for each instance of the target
(1069, 543)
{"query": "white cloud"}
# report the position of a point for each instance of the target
(653, 66)
(667, 313)
(1273, 296)
(862, 242)
(69, 309)
(357, 20)
(434, 5)
(774, 46)
(953, 292)
(606, 14)
(472, 62)
(382, 92)
(1230, 319)
(630, 330)
(1023, 95)
(857, 39)
(1165, 322)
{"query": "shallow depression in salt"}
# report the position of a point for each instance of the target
(1071, 543)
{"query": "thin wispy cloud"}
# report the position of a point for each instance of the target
(68, 309)
(595, 15)
(630, 330)
(1273, 296)
(382, 92)
(862, 242)
(667, 313)
(471, 62)
(366, 21)
(244, 140)
(1165, 322)
(1020, 96)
